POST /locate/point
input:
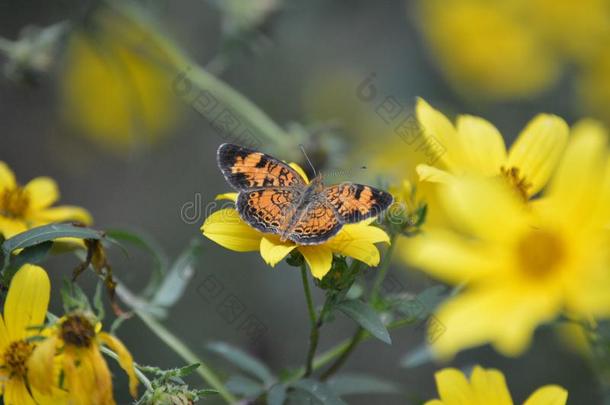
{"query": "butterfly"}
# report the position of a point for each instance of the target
(274, 198)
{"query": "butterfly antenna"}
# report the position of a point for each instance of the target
(308, 161)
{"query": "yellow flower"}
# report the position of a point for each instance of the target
(115, 88)
(475, 146)
(25, 207)
(226, 228)
(487, 387)
(25, 308)
(77, 338)
(486, 48)
(523, 265)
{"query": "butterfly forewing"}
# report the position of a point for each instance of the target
(248, 169)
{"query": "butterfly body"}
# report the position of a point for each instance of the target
(274, 198)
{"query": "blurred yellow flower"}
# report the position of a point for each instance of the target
(24, 310)
(523, 265)
(475, 146)
(24, 207)
(487, 387)
(115, 87)
(487, 48)
(77, 338)
(226, 228)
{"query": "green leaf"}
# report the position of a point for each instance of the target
(46, 233)
(319, 391)
(244, 386)
(243, 361)
(174, 283)
(33, 255)
(351, 384)
(276, 395)
(73, 297)
(366, 317)
(187, 370)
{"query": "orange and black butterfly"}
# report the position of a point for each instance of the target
(274, 198)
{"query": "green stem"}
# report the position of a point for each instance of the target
(314, 334)
(254, 117)
(383, 271)
(187, 355)
(329, 355)
(344, 355)
(141, 376)
(373, 297)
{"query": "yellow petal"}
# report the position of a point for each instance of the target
(4, 336)
(432, 174)
(450, 257)
(486, 208)
(40, 365)
(43, 192)
(63, 213)
(440, 134)
(56, 397)
(300, 171)
(16, 393)
(538, 149)
(490, 387)
(548, 395)
(226, 228)
(453, 387)
(273, 250)
(227, 196)
(125, 360)
(483, 145)
(10, 227)
(358, 241)
(580, 172)
(505, 316)
(102, 378)
(27, 301)
(319, 258)
(7, 178)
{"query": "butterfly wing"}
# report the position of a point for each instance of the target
(247, 169)
(266, 209)
(317, 224)
(356, 202)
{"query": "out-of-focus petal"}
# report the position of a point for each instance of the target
(42, 193)
(548, 395)
(538, 149)
(483, 145)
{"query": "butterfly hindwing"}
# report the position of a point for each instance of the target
(316, 224)
(265, 209)
(247, 169)
(356, 202)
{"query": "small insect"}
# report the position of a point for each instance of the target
(274, 198)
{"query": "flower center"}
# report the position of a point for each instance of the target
(16, 357)
(77, 330)
(14, 202)
(516, 181)
(540, 252)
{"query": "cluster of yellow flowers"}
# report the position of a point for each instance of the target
(58, 363)
(53, 364)
(518, 48)
(523, 257)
